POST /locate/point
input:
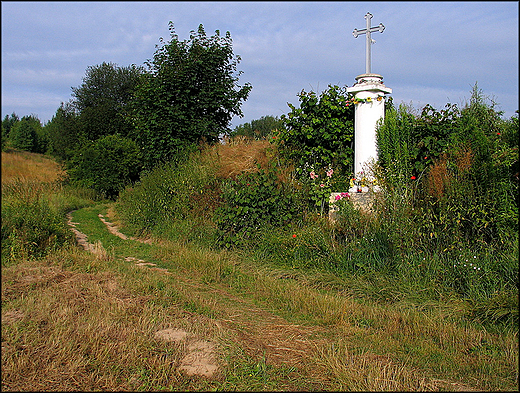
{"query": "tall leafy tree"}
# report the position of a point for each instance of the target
(190, 93)
(63, 132)
(102, 100)
(26, 134)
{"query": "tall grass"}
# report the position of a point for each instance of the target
(390, 255)
(34, 204)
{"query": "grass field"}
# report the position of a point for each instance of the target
(143, 314)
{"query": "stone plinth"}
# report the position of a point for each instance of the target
(360, 200)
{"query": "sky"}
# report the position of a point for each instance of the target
(429, 53)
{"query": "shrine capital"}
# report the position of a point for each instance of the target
(369, 82)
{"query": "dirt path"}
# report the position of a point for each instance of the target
(260, 333)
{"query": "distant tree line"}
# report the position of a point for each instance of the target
(258, 129)
(123, 120)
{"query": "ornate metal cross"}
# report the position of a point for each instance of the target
(370, 41)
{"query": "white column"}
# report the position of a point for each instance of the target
(370, 93)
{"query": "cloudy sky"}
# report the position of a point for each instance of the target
(429, 53)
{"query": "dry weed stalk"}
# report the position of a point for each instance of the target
(440, 179)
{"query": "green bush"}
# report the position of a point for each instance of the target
(107, 165)
(456, 169)
(395, 145)
(320, 133)
(252, 201)
(184, 190)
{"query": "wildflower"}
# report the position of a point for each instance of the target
(322, 185)
(294, 235)
(413, 177)
(337, 197)
(379, 98)
(313, 175)
(345, 195)
(330, 172)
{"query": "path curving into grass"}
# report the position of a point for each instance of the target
(264, 332)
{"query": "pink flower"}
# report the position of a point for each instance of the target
(322, 185)
(345, 195)
(338, 197)
(330, 172)
(313, 175)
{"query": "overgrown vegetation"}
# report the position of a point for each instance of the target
(34, 205)
(426, 280)
(447, 231)
(372, 306)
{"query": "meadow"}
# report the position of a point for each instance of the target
(361, 304)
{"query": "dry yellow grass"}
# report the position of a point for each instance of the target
(241, 154)
(20, 165)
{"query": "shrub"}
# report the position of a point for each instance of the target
(395, 144)
(31, 226)
(252, 201)
(319, 134)
(107, 165)
(183, 189)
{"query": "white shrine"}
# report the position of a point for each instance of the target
(369, 97)
(369, 92)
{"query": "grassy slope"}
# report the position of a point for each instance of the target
(78, 321)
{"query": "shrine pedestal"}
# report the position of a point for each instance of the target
(360, 200)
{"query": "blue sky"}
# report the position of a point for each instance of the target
(429, 53)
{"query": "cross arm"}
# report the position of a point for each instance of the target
(379, 28)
